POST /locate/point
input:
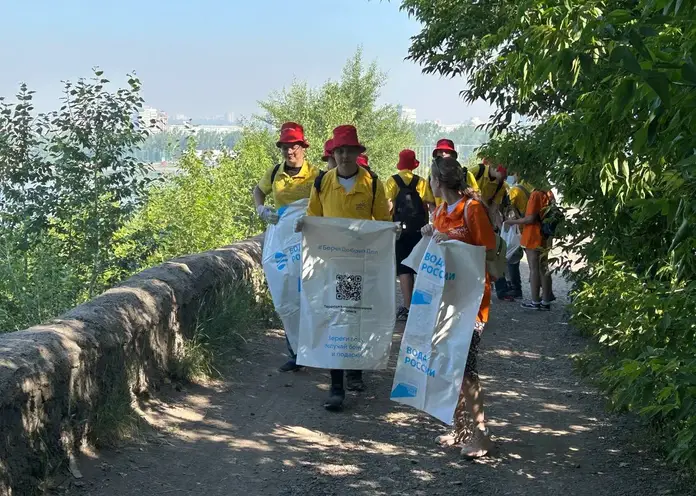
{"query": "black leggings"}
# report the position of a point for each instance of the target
(337, 377)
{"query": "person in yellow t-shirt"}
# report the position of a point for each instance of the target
(491, 183)
(411, 216)
(493, 189)
(351, 192)
(445, 148)
(518, 194)
(288, 182)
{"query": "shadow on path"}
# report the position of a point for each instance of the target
(266, 433)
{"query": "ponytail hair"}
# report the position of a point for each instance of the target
(452, 176)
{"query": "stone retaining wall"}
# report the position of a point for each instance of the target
(53, 377)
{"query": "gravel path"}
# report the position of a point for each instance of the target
(266, 433)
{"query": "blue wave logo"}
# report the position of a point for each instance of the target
(403, 390)
(421, 298)
(281, 210)
(281, 260)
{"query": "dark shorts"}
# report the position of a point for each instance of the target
(404, 245)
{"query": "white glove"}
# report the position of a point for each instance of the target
(267, 214)
(427, 230)
(299, 224)
(398, 229)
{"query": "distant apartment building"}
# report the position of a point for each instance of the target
(406, 114)
(154, 120)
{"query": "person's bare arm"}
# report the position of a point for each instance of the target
(259, 196)
(527, 219)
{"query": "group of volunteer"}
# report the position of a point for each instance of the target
(449, 203)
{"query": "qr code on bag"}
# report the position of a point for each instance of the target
(349, 287)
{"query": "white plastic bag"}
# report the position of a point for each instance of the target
(282, 264)
(348, 297)
(512, 238)
(435, 345)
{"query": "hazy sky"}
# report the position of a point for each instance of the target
(207, 57)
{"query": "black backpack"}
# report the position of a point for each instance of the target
(409, 210)
(320, 178)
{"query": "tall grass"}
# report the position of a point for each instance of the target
(225, 319)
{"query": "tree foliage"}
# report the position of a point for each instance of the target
(80, 212)
(350, 100)
(610, 87)
(68, 182)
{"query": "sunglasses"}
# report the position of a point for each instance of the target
(286, 147)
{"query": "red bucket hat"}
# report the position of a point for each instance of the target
(328, 148)
(407, 160)
(363, 161)
(445, 145)
(346, 135)
(292, 132)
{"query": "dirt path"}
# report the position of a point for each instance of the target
(266, 433)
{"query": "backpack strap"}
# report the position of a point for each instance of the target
(481, 170)
(497, 190)
(466, 211)
(374, 188)
(274, 173)
(318, 180)
(402, 185)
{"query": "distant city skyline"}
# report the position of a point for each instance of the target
(211, 57)
(227, 120)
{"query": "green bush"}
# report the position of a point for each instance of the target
(647, 329)
(608, 90)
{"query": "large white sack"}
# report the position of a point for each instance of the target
(435, 345)
(512, 238)
(348, 297)
(282, 264)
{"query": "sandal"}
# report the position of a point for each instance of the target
(478, 445)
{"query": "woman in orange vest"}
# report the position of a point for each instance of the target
(454, 220)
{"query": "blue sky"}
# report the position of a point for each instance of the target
(209, 57)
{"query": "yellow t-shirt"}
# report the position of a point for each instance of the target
(391, 189)
(470, 180)
(488, 187)
(519, 198)
(334, 201)
(287, 189)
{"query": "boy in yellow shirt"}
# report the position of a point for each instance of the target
(411, 200)
(351, 192)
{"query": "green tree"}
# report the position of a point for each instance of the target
(351, 100)
(68, 183)
(98, 182)
(610, 86)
